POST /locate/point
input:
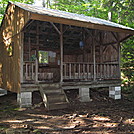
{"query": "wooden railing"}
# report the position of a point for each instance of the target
(107, 71)
(76, 70)
(85, 71)
(30, 71)
(73, 71)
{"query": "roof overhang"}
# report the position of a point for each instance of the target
(41, 17)
(62, 17)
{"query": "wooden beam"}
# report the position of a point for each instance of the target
(116, 37)
(125, 38)
(60, 20)
(110, 43)
(68, 27)
(114, 47)
(55, 28)
(26, 25)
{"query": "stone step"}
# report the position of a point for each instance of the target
(60, 105)
(56, 97)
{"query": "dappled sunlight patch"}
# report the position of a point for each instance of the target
(129, 121)
(17, 125)
(9, 85)
(43, 127)
(110, 125)
(12, 121)
(21, 109)
(100, 118)
(101, 121)
(39, 115)
(105, 125)
(18, 121)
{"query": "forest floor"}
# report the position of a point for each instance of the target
(100, 116)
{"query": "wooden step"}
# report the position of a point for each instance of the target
(56, 97)
(60, 105)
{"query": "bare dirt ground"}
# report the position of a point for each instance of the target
(100, 116)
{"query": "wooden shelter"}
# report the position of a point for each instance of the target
(50, 50)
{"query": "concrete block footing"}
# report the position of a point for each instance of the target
(115, 92)
(84, 94)
(24, 99)
(3, 92)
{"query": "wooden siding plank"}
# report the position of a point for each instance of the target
(10, 32)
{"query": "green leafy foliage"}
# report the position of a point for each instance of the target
(3, 5)
(128, 62)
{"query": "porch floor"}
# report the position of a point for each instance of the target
(71, 85)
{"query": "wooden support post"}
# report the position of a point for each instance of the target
(32, 67)
(61, 52)
(21, 58)
(61, 48)
(79, 72)
(26, 71)
(29, 48)
(65, 70)
(70, 69)
(36, 70)
(119, 58)
(37, 38)
(101, 55)
(94, 61)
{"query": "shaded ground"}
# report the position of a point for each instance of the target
(100, 116)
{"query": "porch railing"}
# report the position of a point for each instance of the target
(85, 71)
(76, 70)
(30, 71)
(73, 71)
(107, 71)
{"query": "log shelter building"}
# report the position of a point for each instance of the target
(51, 51)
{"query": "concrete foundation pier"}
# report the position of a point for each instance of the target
(115, 92)
(3, 92)
(24, 99)
(84, 94)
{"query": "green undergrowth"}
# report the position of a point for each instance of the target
(9, 108)
(129, 92)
